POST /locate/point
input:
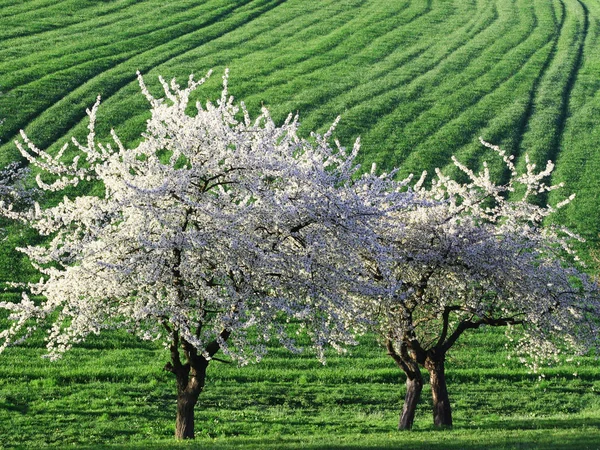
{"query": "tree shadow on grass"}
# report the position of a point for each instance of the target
(14, 404)
(555, 434)
(506, 443)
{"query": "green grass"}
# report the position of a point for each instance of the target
(418, 80)
(113, 392)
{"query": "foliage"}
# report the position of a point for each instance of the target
(215, 232)
(211, 235)
(414, 97)
(478, 254)
(209, 227)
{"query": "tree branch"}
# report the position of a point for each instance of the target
(174, 366)
(468, 324)
(221, 360)
(445, 323)
(396, 357)
(213, 347)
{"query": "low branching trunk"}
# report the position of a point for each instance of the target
(442, 413)
(190, 377)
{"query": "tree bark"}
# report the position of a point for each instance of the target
(442, 413)
(414, 386)
(414, 383)
(190, 384)
(184, 424)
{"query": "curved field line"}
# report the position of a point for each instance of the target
(34, 6)
(399, 114)
(572, 79)
(546, 123)
(211, 21)
(535, 86)
(172, 57)
(384, 81)
(305, 101)
(385, 87)
(128, 76)
(435, 151)
(160, 68)
(128, 21)
(578, 166)
(30, 31)
(430, 139)
(154, 47)
(541, 93)
(589, 81)
(520, 124)
(81, 30)
(21, 78)
(278, 73)
(321, 50)
(578, 162)
(270, 99)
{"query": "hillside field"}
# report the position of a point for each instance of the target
(418, 81)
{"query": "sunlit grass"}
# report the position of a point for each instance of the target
(114, 391)
(418, 81)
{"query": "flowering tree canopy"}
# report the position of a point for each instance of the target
(211, 235)
(475, 254)
(220, 233)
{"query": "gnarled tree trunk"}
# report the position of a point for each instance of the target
(414, 384)
(190, 377)
(190, 383)
(442, 413)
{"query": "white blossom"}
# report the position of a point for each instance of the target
(211, 229)
(479, 253)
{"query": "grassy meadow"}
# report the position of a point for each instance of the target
(112, 392)
(418, 81)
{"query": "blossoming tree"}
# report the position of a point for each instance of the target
(211, 235)
(476, 254)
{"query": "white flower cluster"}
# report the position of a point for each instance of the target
(15, 196)
(211, 230)
(222, 232)
(477, 254)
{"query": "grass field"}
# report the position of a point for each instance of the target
(419, 81)
(113, 391)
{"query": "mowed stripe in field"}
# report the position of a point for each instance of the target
(417, 80)
(578, 161)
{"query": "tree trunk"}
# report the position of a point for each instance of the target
(414, 383)
(414, 386)
(184, 424)
(189, 388)
(190, 377)
(442, 414)
(190, 384)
